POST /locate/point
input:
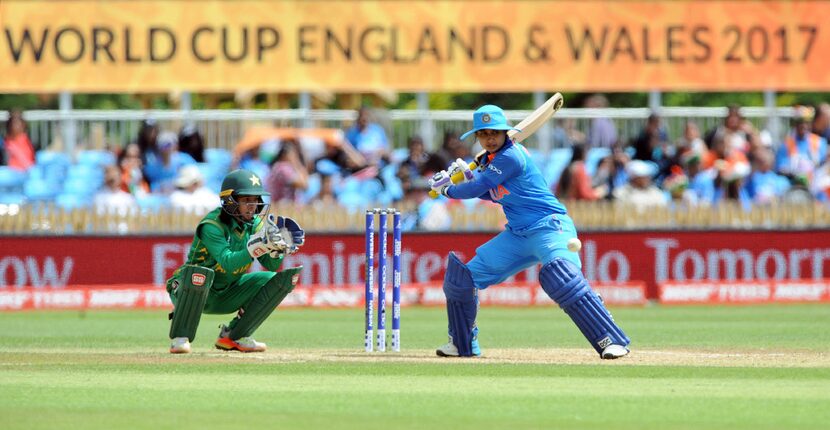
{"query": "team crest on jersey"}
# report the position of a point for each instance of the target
(197, 279)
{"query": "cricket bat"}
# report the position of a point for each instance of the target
(526, 127)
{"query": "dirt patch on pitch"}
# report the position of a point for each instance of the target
(638, 357)
(554, 356)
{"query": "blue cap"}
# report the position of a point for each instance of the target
(489, 117)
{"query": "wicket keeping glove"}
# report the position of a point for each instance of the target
(291, 232)
(266, 241)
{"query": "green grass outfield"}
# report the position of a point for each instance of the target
(760, 367)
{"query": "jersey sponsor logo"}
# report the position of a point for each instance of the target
(197, 279)
(494, 168)
(499, 193)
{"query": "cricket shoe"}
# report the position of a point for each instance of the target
(450, 350)
(245, 344)
(179, 345)
(614, 351)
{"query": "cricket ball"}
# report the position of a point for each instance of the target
(574, 244)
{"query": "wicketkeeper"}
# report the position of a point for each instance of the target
(537, 231)
(214, 278)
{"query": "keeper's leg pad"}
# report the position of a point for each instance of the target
(462, 305)
(191, 294)
(566, 285)
(260, 307)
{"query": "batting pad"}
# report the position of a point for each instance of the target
(260, 307)
(566, 285)
(461, 304)
(191, 294)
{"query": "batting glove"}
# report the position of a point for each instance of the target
(440, 182)
(461, 169)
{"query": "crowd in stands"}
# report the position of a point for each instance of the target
(164, 168)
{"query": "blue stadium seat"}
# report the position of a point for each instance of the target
(40, 190)
(12, 198)
(80, 187)
(313, 189)
(389, 174)
(218, 157)
(94, 157)
(11, 180)
(352, 200)
(347, 185)
(371, 188)
(152, 202)
(557, 161)
(593, 157)
(73, 201)
(398, 155)
(51, 165)
(92, 174)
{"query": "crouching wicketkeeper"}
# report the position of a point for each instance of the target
(214, 278)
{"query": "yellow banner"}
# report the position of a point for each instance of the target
(452, 46)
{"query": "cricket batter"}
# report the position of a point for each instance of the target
(214, 278)
(537, 231)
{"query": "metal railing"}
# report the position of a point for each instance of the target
(99, 129)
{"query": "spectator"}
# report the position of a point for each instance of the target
(417, 157)
(191, 195)
(342, 155)
(161, 172)
(821, 122)
(738, 133)
(610, 173)
(17, 150)
(701, 181)
(565, 134)
(326, 196)
(288, 174)
(649, 143)
(575, 183)
(132, 178)
(147, 140)
(802, 151)
(250, 160)
(731, 181)
(111, 199)
(602, 132)
(640, 192)
(722, 156)
(369, 138)
(452, 148)
(691, 141)
(192, 143)
(430, 214)
(676, 185)
(764, 185)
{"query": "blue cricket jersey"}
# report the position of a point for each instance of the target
(512, 180)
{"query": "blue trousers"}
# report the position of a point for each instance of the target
(514, 250)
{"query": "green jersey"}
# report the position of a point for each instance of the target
(223, 248)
